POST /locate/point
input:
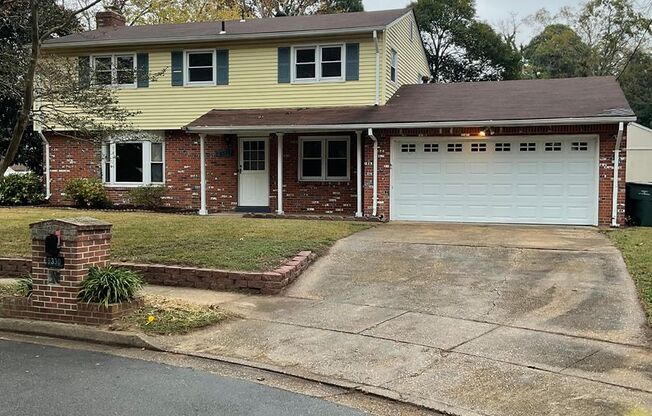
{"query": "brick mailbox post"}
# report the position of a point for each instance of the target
(62, 253)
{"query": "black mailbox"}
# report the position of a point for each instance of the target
(52, 245)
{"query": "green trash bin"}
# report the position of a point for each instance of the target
(638, 204)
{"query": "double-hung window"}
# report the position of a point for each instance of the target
(319, 63)
(324, 158)
(393, 71)
(114, 70)
(200, 68)
(133, 163)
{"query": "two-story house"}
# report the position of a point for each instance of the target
(327, 114)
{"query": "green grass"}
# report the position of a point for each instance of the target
(636, 246)
(169, 317)
(230, 243)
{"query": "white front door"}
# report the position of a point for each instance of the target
(534, 180)
(253, 183)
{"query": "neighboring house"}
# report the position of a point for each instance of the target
(639, 153)
(325, 115)
(17, 170)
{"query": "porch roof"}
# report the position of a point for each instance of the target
(594, 100)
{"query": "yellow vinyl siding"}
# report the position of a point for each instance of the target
(253, 83)
(412, 61)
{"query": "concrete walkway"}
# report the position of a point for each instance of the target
(484, 320)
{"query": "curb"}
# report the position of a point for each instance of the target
(78, 333)
(135, 340)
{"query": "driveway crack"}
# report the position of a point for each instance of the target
(382, 322)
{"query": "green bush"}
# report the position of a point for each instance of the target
(87, 192)
(21, 190)
(148, 197)
(25, 286)
(106, 285)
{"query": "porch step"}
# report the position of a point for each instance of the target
(258, 210)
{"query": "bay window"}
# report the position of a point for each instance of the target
(114, 70)
(324, 158)
(318, 63)
(133, 163)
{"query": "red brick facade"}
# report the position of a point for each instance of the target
(75, 158)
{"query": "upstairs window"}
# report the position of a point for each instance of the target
(128, 163)
(393, 74)
(117, 70)
(319, 63)
(200, 68)
(324, 159)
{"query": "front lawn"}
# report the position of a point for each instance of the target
(230, 243)
(636, 246)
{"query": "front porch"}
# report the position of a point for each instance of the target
(311, 173)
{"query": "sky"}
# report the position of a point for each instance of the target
(492, 11)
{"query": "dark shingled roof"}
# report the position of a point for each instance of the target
(210, 31)
(594, 97)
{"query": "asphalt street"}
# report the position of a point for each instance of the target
(43, 380)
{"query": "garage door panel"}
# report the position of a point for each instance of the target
(548, 185)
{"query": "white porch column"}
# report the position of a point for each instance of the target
(279, 174)
(202, 169)
(358, 212)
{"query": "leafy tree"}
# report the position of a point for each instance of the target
(269, 8)
(14, 33)
(139, 12)
(461, 48)
(47, 88)
(340, 6)
(612, 29)
(557, 52)
(636, 81)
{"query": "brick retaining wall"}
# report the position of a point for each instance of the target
(86, 313)
(201, 278)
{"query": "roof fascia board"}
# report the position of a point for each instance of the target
(414, 125)
(212, 38)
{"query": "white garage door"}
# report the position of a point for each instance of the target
(550, 180)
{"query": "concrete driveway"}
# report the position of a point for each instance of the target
(472, 319)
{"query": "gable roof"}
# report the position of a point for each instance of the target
(591, 100)
(289, 26)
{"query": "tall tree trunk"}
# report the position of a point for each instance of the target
(28, 95)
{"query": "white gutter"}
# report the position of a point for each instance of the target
(47, 163)
(377, 67)
(207, 38)
(359, 168)
(413, 125)
(614, 200)
(374, 212)
(279, 173)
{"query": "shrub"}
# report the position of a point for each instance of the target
(21, 190)
(148, 197)
(105, 285)
(25, 286)
(87, 192)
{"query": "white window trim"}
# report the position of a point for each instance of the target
(318, 78)
(393, 52)
(147, 164)
(186, 68)
(324, 159)
(114, 69)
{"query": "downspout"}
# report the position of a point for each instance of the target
(614, 201)
(47, 163)
(377, 67)
(374, 212)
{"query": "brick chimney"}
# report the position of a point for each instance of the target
(109, 18)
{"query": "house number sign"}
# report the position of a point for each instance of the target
(52, 249)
